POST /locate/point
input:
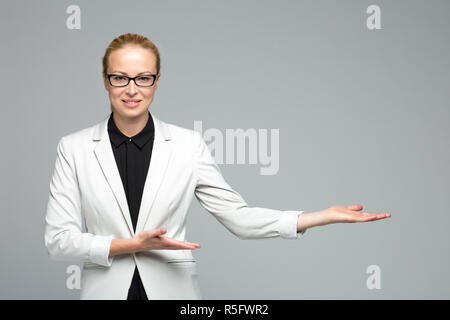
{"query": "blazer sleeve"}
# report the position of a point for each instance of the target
(64, 238)
(218, 198)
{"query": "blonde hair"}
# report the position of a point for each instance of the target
(130, 39)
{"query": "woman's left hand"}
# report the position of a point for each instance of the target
(337, 214)
(352, 213)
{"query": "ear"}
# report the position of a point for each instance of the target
(105, 82)
(157, 80)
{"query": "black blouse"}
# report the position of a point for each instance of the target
(133, 156)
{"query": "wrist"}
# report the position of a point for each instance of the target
(135, 244)
(325, 217)
(308, 220)
(124, 246)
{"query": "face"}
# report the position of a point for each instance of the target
(131, 61)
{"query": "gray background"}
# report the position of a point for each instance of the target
(363, 118)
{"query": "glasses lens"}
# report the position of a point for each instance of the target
(118, 80)
(144, 81)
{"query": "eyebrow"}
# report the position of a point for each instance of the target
(146, 72)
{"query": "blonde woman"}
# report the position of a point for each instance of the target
(131, 178)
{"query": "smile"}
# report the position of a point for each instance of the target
(131, 103)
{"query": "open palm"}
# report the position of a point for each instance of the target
(353, 214)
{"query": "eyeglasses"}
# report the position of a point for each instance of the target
(118, 80)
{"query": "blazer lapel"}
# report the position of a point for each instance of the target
(162, 150)
(105, 156)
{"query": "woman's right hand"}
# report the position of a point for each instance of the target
(154, 240)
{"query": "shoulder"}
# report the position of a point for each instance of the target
(182, 135)
(81, 138)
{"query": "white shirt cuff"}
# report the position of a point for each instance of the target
(288, 225)
(99, 252)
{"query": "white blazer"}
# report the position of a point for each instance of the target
(86, 188)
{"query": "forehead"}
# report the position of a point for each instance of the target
(132, 60)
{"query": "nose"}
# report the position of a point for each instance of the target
(131, 88)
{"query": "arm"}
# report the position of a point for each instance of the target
(64, 238)
(230, 209)
(227, 205)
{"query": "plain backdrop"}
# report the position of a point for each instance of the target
(363, 117)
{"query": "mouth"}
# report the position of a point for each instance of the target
(131, 103)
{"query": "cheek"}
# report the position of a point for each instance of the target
(115, 94)
(150, 94)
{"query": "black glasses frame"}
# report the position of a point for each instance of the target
(154, 76)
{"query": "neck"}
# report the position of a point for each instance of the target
(130, 126)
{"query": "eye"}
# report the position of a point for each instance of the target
(144, 78)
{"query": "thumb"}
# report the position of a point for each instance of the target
(156, 232)
(356, 207)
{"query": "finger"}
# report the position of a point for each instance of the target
(375, 216)
(184, 246)
(180, 244)
(190, 244)
(382, 214)
(355, 207)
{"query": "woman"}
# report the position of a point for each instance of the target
(131, 178)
